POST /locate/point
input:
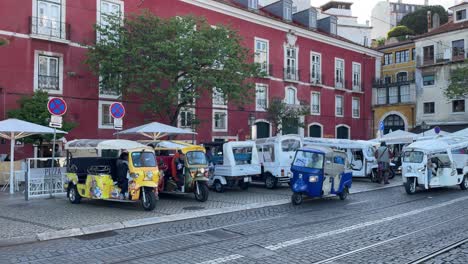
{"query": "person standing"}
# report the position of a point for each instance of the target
(179, 165)
(122, 171)
(383, 155)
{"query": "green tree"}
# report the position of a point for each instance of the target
(282, 115)
(458, 86)
(417, 21)
(400, 32)
(172, 62)
(34, 109)
(3, 41)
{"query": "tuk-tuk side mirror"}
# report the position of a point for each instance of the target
(328, 162)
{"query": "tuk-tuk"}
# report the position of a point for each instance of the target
(435, 163)
(275, 155)
(318, 172)
(239, 162)
(90, 175)
(360, 154)
(194, 168)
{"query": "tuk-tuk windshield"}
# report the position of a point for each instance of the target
(196, 158)
(288, 145)
(413, 156)
(308, 159)
(143, 159)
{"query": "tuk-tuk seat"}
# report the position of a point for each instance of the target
(83, 164)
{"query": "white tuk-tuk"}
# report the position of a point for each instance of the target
(435, 163)
(360, 154)
(276, 155)
(236, 167)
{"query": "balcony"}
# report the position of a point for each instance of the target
(291, 74)
(261, 104)
(315, 109)
(49, 28)
(394, 81)
(442, 58)
(405, 94)
(46, 82)
(316, 78)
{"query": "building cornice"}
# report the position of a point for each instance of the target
(279, 25)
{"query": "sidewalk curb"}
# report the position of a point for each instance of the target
(73, 232)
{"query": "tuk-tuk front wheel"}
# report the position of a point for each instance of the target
(73, 195)
(344, 194)
(374, 176)
(410, 185)
(464, 183)
(296, 198)
(201, 191)
(270, 181)
(148, 200)
(218, 186)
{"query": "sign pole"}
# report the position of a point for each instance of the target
(53, 163)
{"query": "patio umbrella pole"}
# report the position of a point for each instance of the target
(12, 158)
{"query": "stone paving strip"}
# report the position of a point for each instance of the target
(46, 219)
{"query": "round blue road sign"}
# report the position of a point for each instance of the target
(117, 110)
(57, 106)
(437, 130)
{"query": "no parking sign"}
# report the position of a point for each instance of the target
(57, 108)
(117, 111)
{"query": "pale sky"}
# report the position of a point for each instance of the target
(362, 8)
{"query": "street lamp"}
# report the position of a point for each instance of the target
(424, 126)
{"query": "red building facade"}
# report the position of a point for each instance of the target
(47, 48)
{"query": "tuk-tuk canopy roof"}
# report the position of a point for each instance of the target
(317, 149)
(277, 139)
(339, 143)
(115, 144)
(398, 137)
(440, 144)
(175, 145)
(228, 153)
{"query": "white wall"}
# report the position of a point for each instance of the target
(355, 34)
(380, 20)
(434, 93)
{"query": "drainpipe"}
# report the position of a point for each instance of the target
(2, 90)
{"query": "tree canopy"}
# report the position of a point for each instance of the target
(400, 32)
(458, 87)
(417, 21)
(282, 115)
(34, 109)
(172, 62)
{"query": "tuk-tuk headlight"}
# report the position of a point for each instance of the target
(422, 169)
(149, 176)
(313, 179)
(202, 170)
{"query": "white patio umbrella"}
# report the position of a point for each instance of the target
(13, 129)
(461, 133)
(399, 137)
(116, 144)
(155, 131)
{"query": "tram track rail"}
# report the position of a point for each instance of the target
(439, 252)
(205, 243)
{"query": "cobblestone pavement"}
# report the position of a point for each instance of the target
(384, 226)
(19, 217)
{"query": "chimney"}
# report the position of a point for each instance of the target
(429, 21)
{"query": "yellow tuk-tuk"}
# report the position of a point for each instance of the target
(92, 172)
(194, 168)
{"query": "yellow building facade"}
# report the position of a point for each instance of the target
(394, 94)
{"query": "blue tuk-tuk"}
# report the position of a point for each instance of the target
(318, 172)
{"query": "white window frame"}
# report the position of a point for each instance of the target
(253, 4)
(185, 110)
(215, 111)
(358, 86)
(258, 107)
(312, 103)
(98, 11)
(62, 20)
(342, 86)
(214, 94)
(342, 106)
(104, 95)
(358, 100)
(267, 62)
(37, 53)
(296, 63)
(287, 12)
(318, 71)
(100, 125)
(296, 100)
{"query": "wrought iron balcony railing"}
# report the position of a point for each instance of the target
(49, 28)
(46, 82)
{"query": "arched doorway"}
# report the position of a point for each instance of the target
(315, 131)
(393, 122)
(342, 132)
(263, 129)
